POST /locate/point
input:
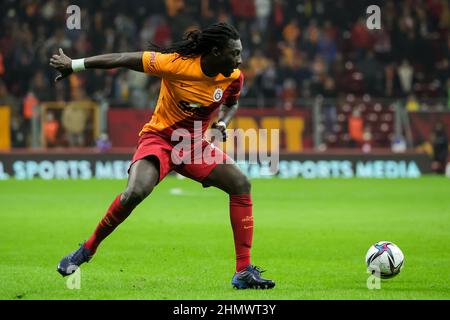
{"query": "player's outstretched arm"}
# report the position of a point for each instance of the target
(66, 65)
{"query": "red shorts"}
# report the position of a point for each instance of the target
(196, 165)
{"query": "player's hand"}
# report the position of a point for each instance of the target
(62, 63)
(222, 127)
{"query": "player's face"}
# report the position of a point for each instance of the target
(230, 57)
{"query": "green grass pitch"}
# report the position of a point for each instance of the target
(311, 236)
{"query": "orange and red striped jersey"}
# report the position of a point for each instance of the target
(186, 94)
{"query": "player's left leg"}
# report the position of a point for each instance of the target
(224, 174)
(229, 178)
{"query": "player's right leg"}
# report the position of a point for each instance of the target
(144, 175)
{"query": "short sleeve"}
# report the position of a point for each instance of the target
(235, 89)
(158, 64)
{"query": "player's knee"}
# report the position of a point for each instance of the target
(241, 185)
(132, 197)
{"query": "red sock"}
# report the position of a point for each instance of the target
(242, 223)
(115, 215)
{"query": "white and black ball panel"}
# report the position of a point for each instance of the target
(384, 259)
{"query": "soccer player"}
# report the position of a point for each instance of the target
(199, 74)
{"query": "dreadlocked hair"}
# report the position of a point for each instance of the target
(199, 42)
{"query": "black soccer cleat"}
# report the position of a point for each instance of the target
(250, 278)
(70, 263)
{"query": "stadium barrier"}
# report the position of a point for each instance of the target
(423, 122)
(80, 124)
(92, 164)
(5, 133)
(294, 125)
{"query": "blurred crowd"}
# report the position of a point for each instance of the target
(294, 50)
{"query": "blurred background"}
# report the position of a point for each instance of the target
(313, 69)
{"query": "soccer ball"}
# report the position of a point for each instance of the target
(384, 259)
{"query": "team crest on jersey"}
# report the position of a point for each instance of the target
(218, 93)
